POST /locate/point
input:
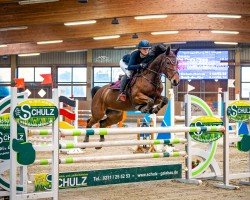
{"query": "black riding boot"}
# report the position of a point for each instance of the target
(124, 83)
(122, 96)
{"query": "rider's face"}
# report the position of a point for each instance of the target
(144, 51)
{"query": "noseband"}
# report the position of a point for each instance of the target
(168, 68)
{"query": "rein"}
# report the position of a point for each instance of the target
(158, 75)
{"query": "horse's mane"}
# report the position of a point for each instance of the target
(158, 49)
(155, 52)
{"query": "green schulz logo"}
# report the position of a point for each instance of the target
(239, 111)
(206, 136)
(35, 113)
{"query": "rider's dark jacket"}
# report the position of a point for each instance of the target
(134, 59)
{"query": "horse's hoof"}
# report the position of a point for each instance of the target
(102, 139)
(85, 140)
(151, 111)
(146, 112)
(155, 111)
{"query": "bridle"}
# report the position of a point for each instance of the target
(158, 74)
(171, 69)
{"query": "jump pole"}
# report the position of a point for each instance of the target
(125, 131)
(70, 160)
(121, 143)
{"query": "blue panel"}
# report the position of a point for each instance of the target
(203, 64)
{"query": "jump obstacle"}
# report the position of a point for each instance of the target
(115, 131)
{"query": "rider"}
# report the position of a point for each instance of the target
(133, 63)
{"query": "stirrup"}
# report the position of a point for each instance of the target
(121, 97)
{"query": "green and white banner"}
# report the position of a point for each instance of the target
(109, 176)
(35, 113)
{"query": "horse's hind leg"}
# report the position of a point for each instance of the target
(90, 122)
(145, 103)
(113, 117)
(95, 118)
(161, 102)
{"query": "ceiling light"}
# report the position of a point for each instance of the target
(151, 17)
(125, 47)
(28, 54)
(76, 51)
(227, 43)
(50, 42)
(224, 16)
(135, 36)
(13, 28)
(175, 43)
(106, 37)
(115, 21)
(164, 32)
(3, 45)
(225, 32)
(35, 1)
(79, 23)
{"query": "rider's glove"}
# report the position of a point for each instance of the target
(143, 65)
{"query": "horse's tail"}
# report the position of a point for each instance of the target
(94, 90)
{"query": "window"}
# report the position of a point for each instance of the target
(5, 79)
(32, 79)
(245, 82)
(5, 75)
(41, 70)
(106, 75)
(32, 74)
(72, 81)
(27, 73)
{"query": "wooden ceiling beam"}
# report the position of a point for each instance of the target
(8, 1)
(14, 14)
(123, 40)
(127, 25)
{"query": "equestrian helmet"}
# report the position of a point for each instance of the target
(144, 44)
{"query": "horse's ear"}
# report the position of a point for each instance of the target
(168, 51)
(176, 51)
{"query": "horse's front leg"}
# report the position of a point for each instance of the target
(145, 103)
(160, 102)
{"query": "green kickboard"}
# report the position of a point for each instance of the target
(110, 176)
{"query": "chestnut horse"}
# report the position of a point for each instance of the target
(144, 94)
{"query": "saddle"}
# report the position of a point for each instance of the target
(116, 85)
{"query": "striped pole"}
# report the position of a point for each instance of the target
(70, 160)
(70, 145)
(115, 131)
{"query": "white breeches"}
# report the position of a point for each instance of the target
(124, 68)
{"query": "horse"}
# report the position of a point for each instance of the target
(144, 92)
